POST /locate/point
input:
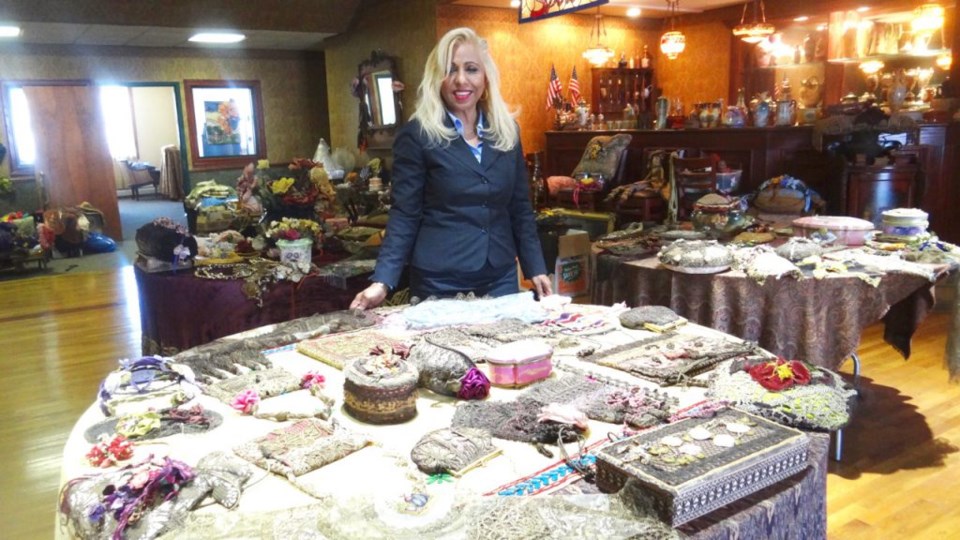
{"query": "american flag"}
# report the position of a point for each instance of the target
(554, 90)
(573, 87)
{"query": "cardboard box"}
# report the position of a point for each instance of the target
(572, 272)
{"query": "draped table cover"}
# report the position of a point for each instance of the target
(179, 310)
(816, 320)
(793, 508)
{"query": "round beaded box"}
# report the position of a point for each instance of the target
(381, 389)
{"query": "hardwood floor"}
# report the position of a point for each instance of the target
(60, 335)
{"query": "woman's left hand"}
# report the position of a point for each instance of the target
(542, 285)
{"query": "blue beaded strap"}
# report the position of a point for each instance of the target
(547, 479)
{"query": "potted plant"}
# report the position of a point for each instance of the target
(295, 238)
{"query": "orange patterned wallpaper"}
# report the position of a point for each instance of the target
(293, 84)
(702, 72)
(524, 52)
(401, 28)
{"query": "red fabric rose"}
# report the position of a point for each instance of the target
(779, 374)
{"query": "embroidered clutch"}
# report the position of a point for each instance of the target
(338, 350)
(266, 383)
(453, 450)
(301, 447)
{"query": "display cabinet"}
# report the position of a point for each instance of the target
(615, 88)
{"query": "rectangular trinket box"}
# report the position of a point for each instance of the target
(519, 363)
(682, 484)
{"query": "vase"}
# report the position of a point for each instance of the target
(296, 253)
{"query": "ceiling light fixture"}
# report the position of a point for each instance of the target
(9, 31)
(217, 37)
(927, 18)
(598, 54)
(514, 3)
(756, 31)
(673, 42)
(633, 12)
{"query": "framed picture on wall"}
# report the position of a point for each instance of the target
(225, 123)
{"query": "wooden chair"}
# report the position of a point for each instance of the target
(695, 177)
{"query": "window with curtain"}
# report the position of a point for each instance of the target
(23, 151)
(117, 110)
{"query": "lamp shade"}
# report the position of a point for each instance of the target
(673, 43)
(754, 33)
(598, 55)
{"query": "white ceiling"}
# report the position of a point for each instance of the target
(155, 36)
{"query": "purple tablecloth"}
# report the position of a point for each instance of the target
(179, 310)
(816, 320)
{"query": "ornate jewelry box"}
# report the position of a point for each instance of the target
(692, 467)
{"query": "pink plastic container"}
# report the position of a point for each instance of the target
(519, 363)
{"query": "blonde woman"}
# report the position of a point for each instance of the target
(461, 214)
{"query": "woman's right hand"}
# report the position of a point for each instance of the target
(371, 297)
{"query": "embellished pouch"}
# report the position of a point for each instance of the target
(266, 383)
(301, 447)
(453, 450)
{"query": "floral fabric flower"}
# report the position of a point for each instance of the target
(474, 385)
(779, 374)
(110, 451)
(311, 379)
(246, 402)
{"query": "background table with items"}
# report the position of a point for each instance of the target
(815, 320)
(270, 506)
(179, 310)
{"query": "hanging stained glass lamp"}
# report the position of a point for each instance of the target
(673, 42)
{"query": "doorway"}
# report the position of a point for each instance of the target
(145, 131)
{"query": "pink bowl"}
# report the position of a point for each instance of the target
(850, 231)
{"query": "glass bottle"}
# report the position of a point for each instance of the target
(645, 59)
(623, 61)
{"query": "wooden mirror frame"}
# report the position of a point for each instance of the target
(370, 133)
(196, 128)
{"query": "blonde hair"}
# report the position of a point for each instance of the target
(501, 128)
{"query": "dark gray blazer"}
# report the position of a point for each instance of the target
(453, 214)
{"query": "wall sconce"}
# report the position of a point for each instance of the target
(756, 31)
(599, 54)
(927, 18)
(673, 42)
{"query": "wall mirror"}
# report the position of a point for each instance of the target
(378, 88)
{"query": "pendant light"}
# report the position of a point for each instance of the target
(599, 54)
(673, 42)
(756, 31)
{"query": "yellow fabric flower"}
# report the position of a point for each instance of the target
(263, 164)
(282, 185)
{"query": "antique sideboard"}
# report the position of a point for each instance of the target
(763, 153)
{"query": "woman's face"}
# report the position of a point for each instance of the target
(465, 80)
